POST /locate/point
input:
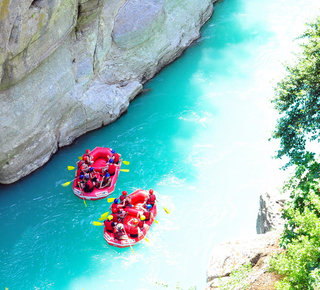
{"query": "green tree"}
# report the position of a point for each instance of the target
(297, 99)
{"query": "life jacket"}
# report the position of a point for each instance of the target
(109, 226)
(116, 158)
(88, 186)
(141, 224)
(122, 197)
(112, 169)
(134, 232)
(152, 199)
(114, 208)
(147, 215)
(115, 218)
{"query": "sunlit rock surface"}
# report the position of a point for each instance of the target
(68, 67)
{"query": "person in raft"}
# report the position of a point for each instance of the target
(115, 156)
(112, 167)
(134, 229)
(80, 181)
(141, 222)
(83, 169)
(105, 181)
(119, 233)
(151, 198)
(114, 206)
(87, 157)
(88, 184)
(118, 214)
(146, 212)
(93, 175)
(109, 224)
(125, 200)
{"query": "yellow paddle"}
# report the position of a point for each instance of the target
(111, 199)
(80, 157)
(126, 162)
(97, 223)
(124, 170)
(164, 208)
(71, 167)
(67, 183)
(84, 201)
(103, 216)
(155, 221)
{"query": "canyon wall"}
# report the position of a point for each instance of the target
(71, 66)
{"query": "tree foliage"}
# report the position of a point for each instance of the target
(300, 263)
(297, 99)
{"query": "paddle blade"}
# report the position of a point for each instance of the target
(104, 214)
(71, 167)
(147, 240)
(66, 183)
(124, 170)
(102, 218)
(166, 210)
(111, 199)
(80, 157)
(132, 249)
(155, 221)
(126, 162)
(84, 201)
(97, 223)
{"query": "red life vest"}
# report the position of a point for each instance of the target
(115, 218)
(109, 226)
(147, 215)
(89, 186)
(122, 197)
(114, 208)
(116, 158)
(112, 169)
(141, 224)
(152, 199)
(134, 232)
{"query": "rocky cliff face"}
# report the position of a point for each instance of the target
(71, 66)
(256, 250)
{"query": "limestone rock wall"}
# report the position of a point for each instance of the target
(71, 66)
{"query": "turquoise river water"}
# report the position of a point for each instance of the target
(198, 136)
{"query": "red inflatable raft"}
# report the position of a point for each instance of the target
(137, 199)
(100, 156)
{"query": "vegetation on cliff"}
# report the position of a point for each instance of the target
(298, 102)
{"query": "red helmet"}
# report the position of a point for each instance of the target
(88, 151)
(124, 192)
(82, 167)
(85, 157)
(135, 222)
(151, 191)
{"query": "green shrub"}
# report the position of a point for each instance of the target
(237, 279)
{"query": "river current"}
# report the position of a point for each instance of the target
(198, 135)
